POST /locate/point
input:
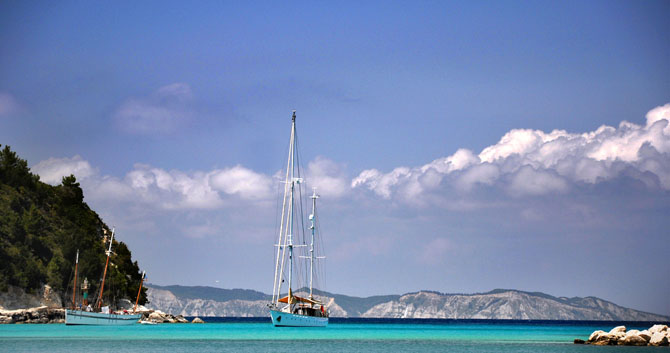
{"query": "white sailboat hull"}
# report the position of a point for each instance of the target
(80, 317)
(280, 318)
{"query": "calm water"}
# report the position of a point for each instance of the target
(342, 335)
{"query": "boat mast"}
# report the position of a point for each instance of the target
(290, 214)
(286, 225)
(312, 226)
(74, 287)
(144, 275)
(104, 274)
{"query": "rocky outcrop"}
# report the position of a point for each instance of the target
(197, 320)
(657, 335)
(39, 315)
(16, 298)
(159, 317)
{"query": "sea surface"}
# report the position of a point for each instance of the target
(341, 335)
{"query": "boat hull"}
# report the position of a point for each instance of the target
(79, 317)
(280, 318)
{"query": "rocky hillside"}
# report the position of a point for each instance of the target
(497, 304)
(506, 304)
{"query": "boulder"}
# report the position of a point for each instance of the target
(578, 341)
(604, 339)
(658, 339)
(595, 334)
(645, 334)
(181, 319)
(632, 340)
(618, 329)
(197, 320)
(658, 328)
(157, 317)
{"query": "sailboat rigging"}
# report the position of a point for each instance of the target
(98, 314)
(292, 310)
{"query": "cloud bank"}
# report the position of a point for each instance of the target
(532, 162)
(523, 163)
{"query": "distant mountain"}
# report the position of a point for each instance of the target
(496, 304)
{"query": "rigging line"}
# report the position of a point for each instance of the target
(279, 276)
(301, 225)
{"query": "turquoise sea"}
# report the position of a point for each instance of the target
(341, 335)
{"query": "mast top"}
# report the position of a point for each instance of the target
(293, 117)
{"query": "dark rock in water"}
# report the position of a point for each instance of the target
(579, 341)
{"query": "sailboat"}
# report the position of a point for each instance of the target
(98, 314)
(292, 310)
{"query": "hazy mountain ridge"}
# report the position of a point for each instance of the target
(496, 304)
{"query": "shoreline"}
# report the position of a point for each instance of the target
(49, 315)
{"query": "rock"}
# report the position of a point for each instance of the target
(658, 339)
(618, 329)
(658, 328)
(38, 315)
(15, 298)
(157, 317)
(181, 319)
(645, 334)
(197, 320)
(5, 319)
(578, 341)
(632, 340)
(595, 334)
(602, 338)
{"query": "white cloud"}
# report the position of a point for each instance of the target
(173, 189)
(52, 170)
(163, 112)
(528, 181)
(532, 162)
(328, 177)
(160, 188)
(8, 104)
(243, 182)
(381, 183)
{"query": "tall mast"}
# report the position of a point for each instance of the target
(285, 239)
(104, 274)
(290, 214)
(144, 274)
(74, 287)
(312, 226)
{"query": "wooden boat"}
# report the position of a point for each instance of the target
(98, 314)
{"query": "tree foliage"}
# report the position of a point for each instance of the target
(43, 226)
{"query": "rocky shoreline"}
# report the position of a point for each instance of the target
(657, 335)
(38, 315)
(159, 317)
(46, 315)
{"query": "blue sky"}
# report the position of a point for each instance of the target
(457, 146)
